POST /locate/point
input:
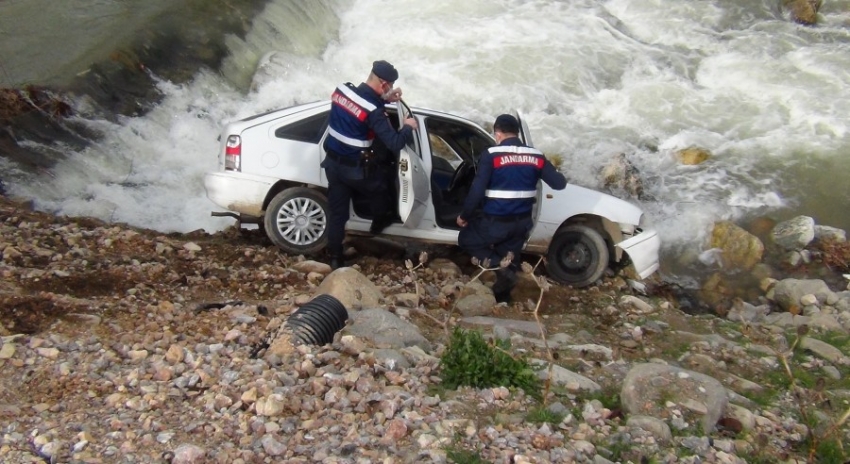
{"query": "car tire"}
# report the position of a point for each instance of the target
(577, 256)
(296, 220)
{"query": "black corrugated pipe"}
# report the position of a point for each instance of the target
(318, 321)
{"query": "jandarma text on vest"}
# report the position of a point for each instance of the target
(505, 160)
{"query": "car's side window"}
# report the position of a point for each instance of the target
(441, 150)
(451, 140)
(308, 130)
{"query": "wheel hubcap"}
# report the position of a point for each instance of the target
(301, 221)
(576, 257)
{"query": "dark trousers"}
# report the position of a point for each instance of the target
(492, 237)
(344, 182)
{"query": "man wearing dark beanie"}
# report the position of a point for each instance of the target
(357, 117)
(505, 188)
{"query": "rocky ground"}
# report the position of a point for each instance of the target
(127, 345)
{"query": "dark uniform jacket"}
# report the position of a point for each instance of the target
(506, 180)
(357, 117)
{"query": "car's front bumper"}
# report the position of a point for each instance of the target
(238, 192)
(643, 249)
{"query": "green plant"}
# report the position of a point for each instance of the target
(609, 397)
(541, 414)
(471, 360)
(460, 455)
(830, 451)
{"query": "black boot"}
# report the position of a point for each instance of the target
(506, 279)
(337, 262)
(379, 224)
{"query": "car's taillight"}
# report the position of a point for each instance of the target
(233, 153)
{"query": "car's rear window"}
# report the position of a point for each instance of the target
(305, 130)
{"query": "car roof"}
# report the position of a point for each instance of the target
(307, 109)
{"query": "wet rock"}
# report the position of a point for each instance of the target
(794, 234)
(693, 155)
(830, 233)
(803, 11)
(622, 175)
(739, 250)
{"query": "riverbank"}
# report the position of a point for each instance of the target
(122, 344)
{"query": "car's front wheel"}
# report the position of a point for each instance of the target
(296, 220)
(577, 256)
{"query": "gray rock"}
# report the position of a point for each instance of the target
(647, 387)
(825, 321)
(788, 292)
(824, 350)
(744, 312)
(529, 327)
(385, 329)
(476, 305)
(794, 234)
(786, 320)
(657, 427)
(591, 351)
(271, 446)
(636, 304)
(830, 233)
(564, 377)
(189, 454)
(392, 359)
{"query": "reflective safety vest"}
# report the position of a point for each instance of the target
(348, 131)
(513, 183)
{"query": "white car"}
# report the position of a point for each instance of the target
(270, 174)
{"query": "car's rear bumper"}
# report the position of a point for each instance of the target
(238, 192)
(643, 249)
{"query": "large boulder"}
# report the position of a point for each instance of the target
(803, 11)
(740, 250)
(351, 288)
(386, 330)
(693, 155)
(794, 234)
(657, 390)
(621, 174)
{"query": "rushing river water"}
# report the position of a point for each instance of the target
(769, 98)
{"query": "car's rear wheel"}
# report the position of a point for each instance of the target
(577, 256)
(296, 220)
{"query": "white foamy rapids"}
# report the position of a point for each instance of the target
(148, 171)
(592, 79)
(638, 77)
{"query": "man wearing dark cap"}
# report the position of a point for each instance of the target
(505, 188)
(357, 118)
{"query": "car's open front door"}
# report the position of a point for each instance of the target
(525, 136)
(413, 184)
(524, 133)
